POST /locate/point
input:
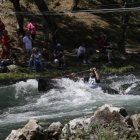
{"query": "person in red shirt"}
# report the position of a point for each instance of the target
(6, 45)
(2, 28)
(105, 48)
(103, 45)
(31, 27)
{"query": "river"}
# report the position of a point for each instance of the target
(21, 101)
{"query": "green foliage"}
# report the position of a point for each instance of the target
(103, 133)
(106, 69)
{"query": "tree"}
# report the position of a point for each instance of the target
(43, 8)
(124, 24)
(20, 20)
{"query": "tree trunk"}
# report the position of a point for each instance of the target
(75, 4)
(124, 24)
(20, 20)
(43, 8)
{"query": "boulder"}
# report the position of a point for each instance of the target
(136, 121)
(42, 84)
(104, 115)
(31, 131)
(16, 135)
(107, 114)
(75, 127)
(54, 130)
(45, 84)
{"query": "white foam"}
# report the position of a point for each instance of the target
(117, 83)
(72, 98)
(25, 87)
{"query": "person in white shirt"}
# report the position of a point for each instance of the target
(91, 80)
(27, 41)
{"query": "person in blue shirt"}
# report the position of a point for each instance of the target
(35, 61)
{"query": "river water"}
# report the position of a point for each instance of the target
(21, 101)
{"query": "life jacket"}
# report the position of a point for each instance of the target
(92, 82)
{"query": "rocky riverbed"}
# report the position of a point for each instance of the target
(107, 122)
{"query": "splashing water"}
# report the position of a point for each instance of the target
(124, 84)
(70, 99)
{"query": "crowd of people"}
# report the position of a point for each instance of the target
(33, 54)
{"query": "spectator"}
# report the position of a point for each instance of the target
(103, 45)
(81, 53)
(6, 45)
(27, 41)
(31, 27)
(35, 61)
(58, 46)
(59, 55)
(2, 28)
(105, 48)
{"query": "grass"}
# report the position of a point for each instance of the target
(58, 73)
(106, 69)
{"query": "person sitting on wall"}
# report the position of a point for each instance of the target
(58, 55)
(35, 61)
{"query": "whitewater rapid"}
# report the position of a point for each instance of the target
(68, 99)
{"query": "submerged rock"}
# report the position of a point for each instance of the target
(45, 84)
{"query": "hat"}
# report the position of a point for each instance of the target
(56, 60)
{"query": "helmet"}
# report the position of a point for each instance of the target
(56, 60)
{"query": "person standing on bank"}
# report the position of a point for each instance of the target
(27, 44)
(31, 28)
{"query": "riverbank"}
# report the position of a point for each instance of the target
(130, 64)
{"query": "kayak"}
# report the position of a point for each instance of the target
(92, 85)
